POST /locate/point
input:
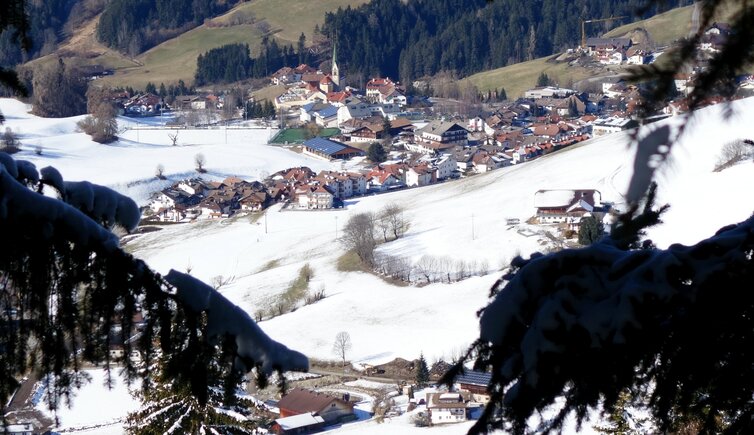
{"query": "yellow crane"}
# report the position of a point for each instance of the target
(583, 27)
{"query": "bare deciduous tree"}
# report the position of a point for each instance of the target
(732, 153)
(358, 234)
(393, 215)
(10, 141)
(342, 345)
(382, 404)
(427, 266)
(200, 161)
(159, 171)
(173, 138)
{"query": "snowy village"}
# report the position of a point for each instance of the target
(228, 217)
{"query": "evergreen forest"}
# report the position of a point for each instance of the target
(409, 40)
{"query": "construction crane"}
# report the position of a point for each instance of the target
(583, 27)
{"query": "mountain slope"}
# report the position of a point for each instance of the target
(175, 59)
(463, 220)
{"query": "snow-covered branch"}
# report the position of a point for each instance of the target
(224, 318)
(65, 274)
(586, 324)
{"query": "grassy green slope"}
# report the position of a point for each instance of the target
(522, 76)
(663, 28)
(291, 17)
(175, 59)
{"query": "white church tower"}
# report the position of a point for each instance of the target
(335, 72)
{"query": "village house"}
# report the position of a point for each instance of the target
(420, 175)
(315, 197)
(144, 105)
(638, 55)
(299, 401)
(191, 102)
(343, 184)
(445, 164)
(438, 136)
(446, 408)
(565, 205)
(483, 161)
(368, 133)
(385, 91)
(293, 175)
(386, 176)
(323, 114)
(298, 424)
(603, 126)
(597, 47)
(353, 108)
(474, 383)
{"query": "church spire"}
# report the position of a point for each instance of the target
(335, 72)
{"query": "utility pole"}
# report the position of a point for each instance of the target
(336, 228)
(265, 222)
(473, 236)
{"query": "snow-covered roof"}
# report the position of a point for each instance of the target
(553, 198)
(299, 421)
(558, 198)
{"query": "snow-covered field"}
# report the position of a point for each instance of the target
(463, 219)
(95, 408)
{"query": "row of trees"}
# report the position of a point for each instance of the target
(429, 36)
(233, 62)
(428, 269)
(58, 91)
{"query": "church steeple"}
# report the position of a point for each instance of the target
(335, 73)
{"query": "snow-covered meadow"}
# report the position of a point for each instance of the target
(463, 219)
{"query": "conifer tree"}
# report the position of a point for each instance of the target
(590, 230)
(62, 271)
(421, 376)
(376, 153)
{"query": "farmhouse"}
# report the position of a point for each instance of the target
(565, 205)
(329, 149)
(476, 384)
(446, 408)
(330, 409)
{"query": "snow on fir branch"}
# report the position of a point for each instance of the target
(67, 278)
